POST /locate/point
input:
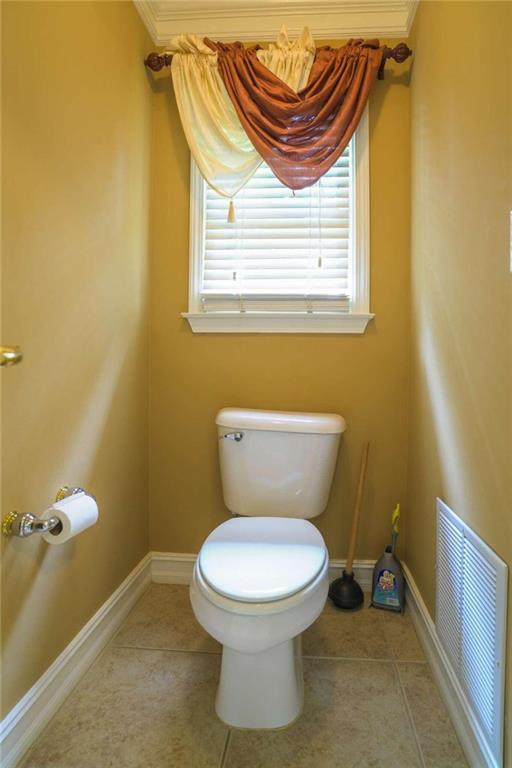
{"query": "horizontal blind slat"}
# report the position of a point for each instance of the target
(234, 257)
(337, 192)
(254, 232)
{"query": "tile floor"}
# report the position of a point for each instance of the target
(147, 702)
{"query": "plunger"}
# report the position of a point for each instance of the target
(345, 592)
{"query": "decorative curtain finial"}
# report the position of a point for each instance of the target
(399, 53)
(157, 61)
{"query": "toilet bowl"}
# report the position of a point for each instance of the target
(260, 579)
(258, 583)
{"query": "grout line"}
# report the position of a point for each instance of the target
(387, 659)
(410, 661)
(410, 717)
(169, 650)
(225, 750)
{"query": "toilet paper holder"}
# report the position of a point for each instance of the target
(24, 524)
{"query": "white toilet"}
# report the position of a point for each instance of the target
(261, 579)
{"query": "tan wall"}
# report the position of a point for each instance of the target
(461, 418)
(365, 378)
(76, 109)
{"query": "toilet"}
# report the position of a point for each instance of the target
(261, 578)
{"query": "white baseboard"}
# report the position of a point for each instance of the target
(466, 726)
(176, 568)
(363, 571)
(172, 567)
(26, 720)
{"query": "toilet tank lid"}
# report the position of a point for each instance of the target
(281, 421)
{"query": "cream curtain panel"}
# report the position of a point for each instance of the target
(218, 142)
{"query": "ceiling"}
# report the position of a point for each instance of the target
(258, 20)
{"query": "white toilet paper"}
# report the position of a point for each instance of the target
(76, 513)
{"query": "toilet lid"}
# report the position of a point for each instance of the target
(260, 559)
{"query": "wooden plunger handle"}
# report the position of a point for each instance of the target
(357, 509)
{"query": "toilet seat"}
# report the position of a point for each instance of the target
(241, 609)
(262, 559)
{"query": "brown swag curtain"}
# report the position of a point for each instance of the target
(300, 135)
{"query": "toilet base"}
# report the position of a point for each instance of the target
(261, 690)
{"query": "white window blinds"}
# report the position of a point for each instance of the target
(284, 251)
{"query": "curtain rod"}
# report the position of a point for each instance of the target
(157, 61)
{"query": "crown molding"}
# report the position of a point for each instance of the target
(238, 20)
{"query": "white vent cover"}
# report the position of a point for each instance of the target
(471, 605)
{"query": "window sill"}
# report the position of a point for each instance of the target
(277, 322)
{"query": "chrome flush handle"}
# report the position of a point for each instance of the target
(236, 436)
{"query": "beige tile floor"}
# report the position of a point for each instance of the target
(147, 702)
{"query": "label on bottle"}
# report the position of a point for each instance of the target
(386, 589)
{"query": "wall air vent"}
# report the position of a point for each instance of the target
(471, 605)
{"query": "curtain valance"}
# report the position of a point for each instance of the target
(292, 105)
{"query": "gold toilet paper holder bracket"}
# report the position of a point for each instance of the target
(23, 524)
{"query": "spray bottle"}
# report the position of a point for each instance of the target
(388, 580)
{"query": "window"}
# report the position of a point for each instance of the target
(289, 263)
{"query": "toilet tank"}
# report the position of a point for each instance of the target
(277, 463)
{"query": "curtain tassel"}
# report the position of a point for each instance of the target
(231, 212)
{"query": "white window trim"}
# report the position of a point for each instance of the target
(353, 321)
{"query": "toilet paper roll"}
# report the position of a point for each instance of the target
(76, 513)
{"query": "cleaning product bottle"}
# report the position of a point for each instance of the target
(388, 580)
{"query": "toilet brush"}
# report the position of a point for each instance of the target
(345, 592)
